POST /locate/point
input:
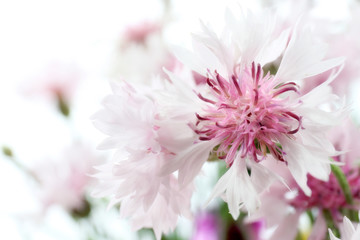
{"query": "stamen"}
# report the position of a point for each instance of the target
(202, 132)
(236, 85)
(291, 86)
(224, 126)
(223, 105)
(256, 96)
(205, 99)
(209, 82)
(253, 70)
(258, 75)
(221, 83)
(204, 138)
(296, 117)
(201, 118)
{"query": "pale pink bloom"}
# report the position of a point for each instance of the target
(137, 131)
(139, 32)
(64, 180)
(127, 116)
(142, 52)
(146, 199)
(57, 80)
(348, 231)
(246, 115)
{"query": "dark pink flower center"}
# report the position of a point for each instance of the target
(328, 194)
(247, 114)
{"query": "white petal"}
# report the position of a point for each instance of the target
(302, 160)
(287, 229)
(356, 235)
(262, 178)
(304, 56)
(218, 47)
(189, 161)
(238, 188)
(199, 61)
(348, 229)
(251, 34)
(275, 48)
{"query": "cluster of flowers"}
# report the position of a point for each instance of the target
(242, 97)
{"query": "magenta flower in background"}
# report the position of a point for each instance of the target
(329, 194)
(283, 210)
(206, 227)
(256, 229)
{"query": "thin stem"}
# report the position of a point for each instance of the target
(344, 184)
(9, 153)
(311, 216)
(330, 222)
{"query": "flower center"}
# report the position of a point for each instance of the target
(247, 114)
(328, 194)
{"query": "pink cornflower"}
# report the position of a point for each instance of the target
(137, 131)
(58, 80)
(247, 115)
(243, 115)
(329, 194)
(142, 53)
(58, 84)
(139, 32)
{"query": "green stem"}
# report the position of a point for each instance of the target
(341, 178)
(350, 214)
(311, 216)
(9, 153)
(330, 223)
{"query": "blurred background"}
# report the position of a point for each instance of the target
(56, 59)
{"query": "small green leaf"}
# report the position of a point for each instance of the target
(330, 222)
(62, 105)
(7, 151)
